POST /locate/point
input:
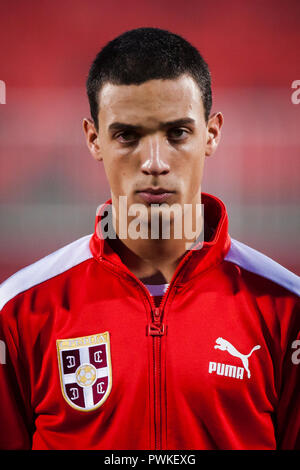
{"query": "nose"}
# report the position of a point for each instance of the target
(154, 161)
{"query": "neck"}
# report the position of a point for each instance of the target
(149, 260)
(154, 259)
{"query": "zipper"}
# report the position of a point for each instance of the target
(156, 329)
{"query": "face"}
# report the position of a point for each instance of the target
(153, 140)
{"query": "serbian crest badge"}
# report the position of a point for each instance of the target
(85, 370)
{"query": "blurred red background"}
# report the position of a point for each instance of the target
(50, 186)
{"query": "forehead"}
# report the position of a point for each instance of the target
(162, 100)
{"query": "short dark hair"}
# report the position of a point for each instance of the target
(144, 54)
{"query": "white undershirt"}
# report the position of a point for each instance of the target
(157, 289)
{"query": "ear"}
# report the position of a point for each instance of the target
(214, 126)
(92, 138)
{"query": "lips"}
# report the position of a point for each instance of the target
(155, 195)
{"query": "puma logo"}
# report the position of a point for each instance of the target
(224, 345)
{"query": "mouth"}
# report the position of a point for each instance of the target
(155, 195)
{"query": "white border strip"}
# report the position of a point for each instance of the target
(44, 269)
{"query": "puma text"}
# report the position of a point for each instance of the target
(226, 369)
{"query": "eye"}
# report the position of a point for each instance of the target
(177, 134)
(126, 137)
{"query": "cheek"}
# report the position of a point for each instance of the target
(193, 172)
(117, 175)
(191, 162)
(196, 178)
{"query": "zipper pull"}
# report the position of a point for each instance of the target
(156, 328)
(156, 315)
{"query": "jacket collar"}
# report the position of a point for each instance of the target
(194, 262)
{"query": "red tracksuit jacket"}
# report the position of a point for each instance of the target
(89, 362)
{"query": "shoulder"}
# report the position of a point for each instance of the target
(257, 263)
(46, 268)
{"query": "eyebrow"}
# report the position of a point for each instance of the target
(178, 122)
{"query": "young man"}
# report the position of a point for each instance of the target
(119, 341)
